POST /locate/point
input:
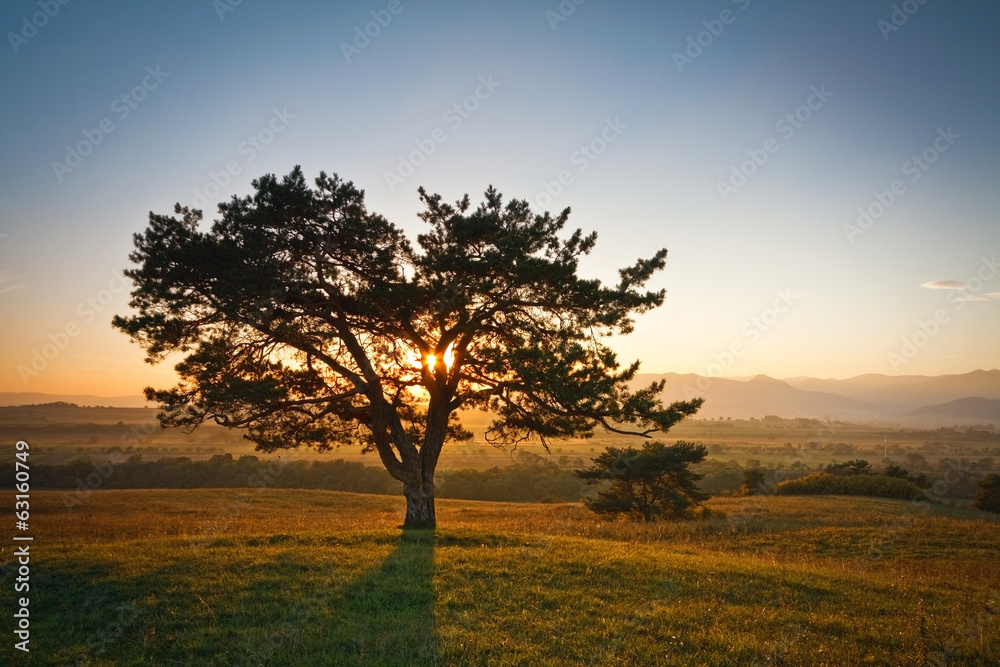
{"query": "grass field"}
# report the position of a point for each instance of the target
(273, 577)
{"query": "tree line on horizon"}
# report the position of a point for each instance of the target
(669, 482)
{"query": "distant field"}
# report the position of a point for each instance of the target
(65, 433)
(277, 577)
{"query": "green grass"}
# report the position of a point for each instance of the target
(277, 577)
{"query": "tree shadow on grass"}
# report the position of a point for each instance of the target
(287, 610)
(386, 617)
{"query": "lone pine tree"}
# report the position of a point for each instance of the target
(308, 320)
(652, 483)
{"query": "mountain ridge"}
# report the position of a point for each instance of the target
(868, 397)
(17, 398)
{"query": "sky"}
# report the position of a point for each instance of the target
(824, 174)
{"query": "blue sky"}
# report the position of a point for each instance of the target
(642, 126)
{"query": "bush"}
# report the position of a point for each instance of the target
(879, 486)
(893, 470)
(852, 467)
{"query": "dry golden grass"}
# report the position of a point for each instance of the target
(283, 577)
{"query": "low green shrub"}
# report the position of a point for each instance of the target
(879, 486)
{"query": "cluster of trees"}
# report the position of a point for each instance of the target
(656, 482)
(978, 433)
(220, 471)
(652, 483)
(49, 431)
(863, 467)
(856, 477)
(516, 483)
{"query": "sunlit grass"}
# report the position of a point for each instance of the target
(314, 577)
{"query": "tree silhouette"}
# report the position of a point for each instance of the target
(308, 320)
(754, 480)
(652, 483)
(852, 467)
(988, 495)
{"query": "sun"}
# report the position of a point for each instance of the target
(449, 358)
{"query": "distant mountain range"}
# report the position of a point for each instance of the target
(945, 399)
(980, 410)
(908, 392)
(34, 398)
(970, 398)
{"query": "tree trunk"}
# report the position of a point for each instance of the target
(419, 505)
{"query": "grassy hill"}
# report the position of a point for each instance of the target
(278, 577)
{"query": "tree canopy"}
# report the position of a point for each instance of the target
(308, 320)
